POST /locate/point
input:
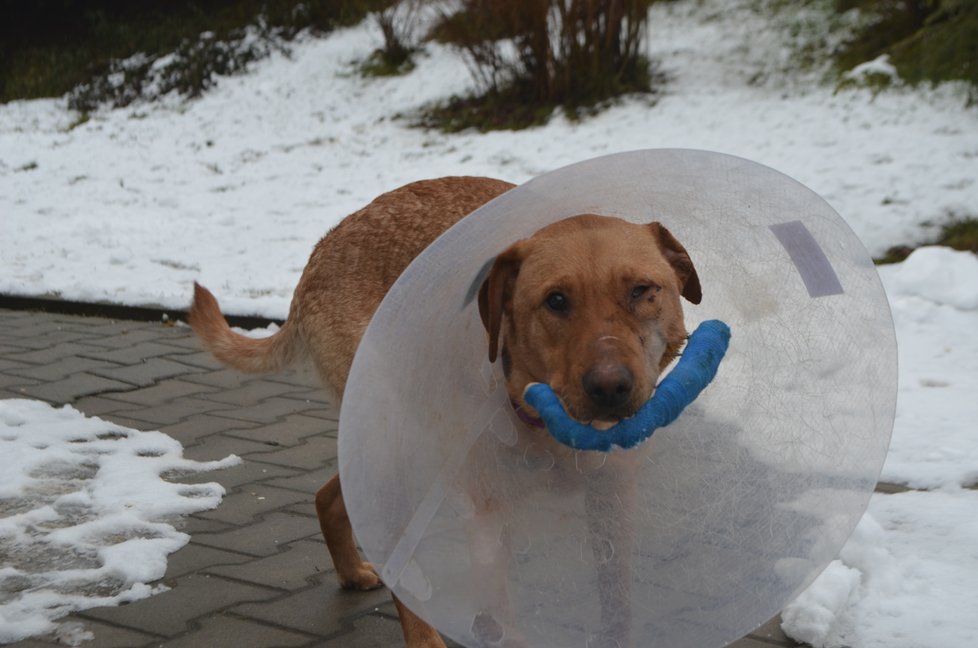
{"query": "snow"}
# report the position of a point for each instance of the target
(87, 515)
(879, 66)
(906, 577)
(904, 580)
(234, 189)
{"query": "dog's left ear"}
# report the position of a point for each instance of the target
(495, 293)
(679, 259)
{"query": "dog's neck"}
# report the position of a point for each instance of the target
(532, 421)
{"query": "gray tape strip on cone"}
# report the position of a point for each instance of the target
(809, 258)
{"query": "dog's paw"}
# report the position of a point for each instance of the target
(362, 578)
(489, 632)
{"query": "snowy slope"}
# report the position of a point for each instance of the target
(235, 189)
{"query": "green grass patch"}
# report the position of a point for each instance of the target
(958, 234)
(927, 40)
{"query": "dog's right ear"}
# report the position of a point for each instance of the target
(496, 293)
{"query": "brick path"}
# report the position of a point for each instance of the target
(256, 572)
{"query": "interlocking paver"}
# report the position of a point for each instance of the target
(264, 537)
(180, 335)
(321, 610)
(194, 524)
(249, 393)
(144, 373)
(234, 632)
(271, 410)
(190, 597)
(256, 572)
(312, 454)
(15, 386)
(194, 558)
(73, 387)
(194, 429)
(161, 392)
(131, 335)
(131, 355)
(180, 409)
(299, 565)
(39, 351)
(222, 378)
(315, 394)
(287, 432)
(8, 365)
(324, 411)
(370, 629)
(307, 481)
(8, 350)
(247, 472)
(105, 636)
(61, 368)
(46, 333)
(248, 505)
(205, 360)
(103, 327)
(378, 627)
(217, 446)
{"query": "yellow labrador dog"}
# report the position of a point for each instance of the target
(589, 305)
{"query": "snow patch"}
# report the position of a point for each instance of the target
(86, 515)
(938, 275)
(904, 579)
(880, 66)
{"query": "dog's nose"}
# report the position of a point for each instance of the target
(609, 386)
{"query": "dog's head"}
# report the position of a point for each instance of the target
(589, 305)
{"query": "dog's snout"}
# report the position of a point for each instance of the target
(609, 386)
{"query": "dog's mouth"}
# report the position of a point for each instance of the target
(598, 418)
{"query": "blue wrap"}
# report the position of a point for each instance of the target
(694, 371)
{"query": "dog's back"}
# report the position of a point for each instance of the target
(348, 274)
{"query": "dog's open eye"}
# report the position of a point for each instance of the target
(640, 291)
(557, 302)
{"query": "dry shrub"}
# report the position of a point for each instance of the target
(534, 55)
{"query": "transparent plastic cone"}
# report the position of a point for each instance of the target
(691, 539)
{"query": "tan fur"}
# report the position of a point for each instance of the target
(596, 261)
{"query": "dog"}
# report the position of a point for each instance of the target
(589, 305)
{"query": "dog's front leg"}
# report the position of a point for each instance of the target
(417, 632)
(611, 498)
(495, 624)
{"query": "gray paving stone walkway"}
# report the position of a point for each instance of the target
(256, 572)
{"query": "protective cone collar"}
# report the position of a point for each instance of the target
(694, 537)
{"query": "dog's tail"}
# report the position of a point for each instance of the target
(263, 355)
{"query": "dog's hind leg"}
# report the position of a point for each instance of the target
(352, 570)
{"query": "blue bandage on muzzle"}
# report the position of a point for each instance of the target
(694, 371)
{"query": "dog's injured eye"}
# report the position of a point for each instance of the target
(642, 291)
(557, 302)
